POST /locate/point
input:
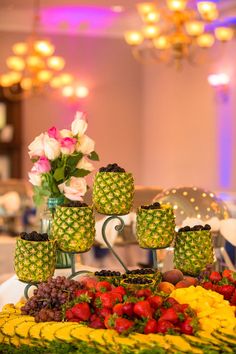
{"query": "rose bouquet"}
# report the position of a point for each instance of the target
(61, 162)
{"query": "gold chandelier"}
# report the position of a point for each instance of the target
(33, 67)
(174, 32)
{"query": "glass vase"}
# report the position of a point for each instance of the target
(63, 259)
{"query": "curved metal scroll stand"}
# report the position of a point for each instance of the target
(26, 290)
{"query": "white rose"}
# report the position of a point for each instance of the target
(51, 148)
(85, 164)
(85, 145)
(36, 148)
(35, 178)
(79, 125)
(74, 188)
(66, 133)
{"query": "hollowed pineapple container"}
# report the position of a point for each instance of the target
(193, 251)
(113, 192)
(155, 228)
(34, 260)
(73, 228)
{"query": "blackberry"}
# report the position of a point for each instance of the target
(153, 206)
(112, 168)
(207, 227)
(197, 228)
(75, 204)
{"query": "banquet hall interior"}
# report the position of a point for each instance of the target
(158, 90)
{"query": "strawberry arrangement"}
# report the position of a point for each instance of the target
(223, 283)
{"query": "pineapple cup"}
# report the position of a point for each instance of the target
(193, 251)
(113, 192)
(73, 228)
(155, 227)
(34, 260)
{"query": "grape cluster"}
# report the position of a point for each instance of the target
(138, 280)
(34, 236)
(107, 273)
(195, 228)
(112, 167)
(50, 296)
(155, 205)
(75, 204)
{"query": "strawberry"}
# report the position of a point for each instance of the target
(143, 293)
(105, 300)
(207, 285)
(143, 309)
(88, 282)
(103, 312)
(226, 290)
(80, 292)
(164, 326)
(122, 324)
(74, 320)
(151, 326)
(169, 302)
(188, 326)
(233, 299)
(117, 297)
(69, 314)
(120, 290)
(109, 321)
(96, 322)
(118, 309)
(169, 315)
(81, 311)
(229, 274)
(103, 286)
(128, 309)
(215, 277)
(155, 301)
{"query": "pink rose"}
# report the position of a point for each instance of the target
(74, 188)
(36, 148)
(79, 125)
(85, 145)
(42, 165)
(68, 145)
(53, 133)
(35, 178)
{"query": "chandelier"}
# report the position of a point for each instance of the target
(174, 32)
(33, 67)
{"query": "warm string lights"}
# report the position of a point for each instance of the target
(172, 33)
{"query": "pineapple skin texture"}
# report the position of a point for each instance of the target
(34, 260)
(193, 251)
(74, 228)
(155, 227)
(113, 192)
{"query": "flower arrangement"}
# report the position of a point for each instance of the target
(61, 162)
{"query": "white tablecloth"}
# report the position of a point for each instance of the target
(12, 290)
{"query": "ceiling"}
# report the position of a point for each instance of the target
(91, 17)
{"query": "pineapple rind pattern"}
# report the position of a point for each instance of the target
(193, 251)
(155, 227)
(34, 260)
(74, 228)
(113, 192)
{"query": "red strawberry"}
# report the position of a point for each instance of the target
(164, 326)
(188, 326)
(109, 321)
(74, 320)
(88, 282)
(155, 301)
(81, 311)
(215, 277)
(207, 285)
(118, 309)
(233, 299)
(170, 302)
(143, 293)
(151, 326)
(103, 286)
(106, 300)
(143, 309)
(119, 289)
(80, 292)
(96, 322)
(229, 274)
(103, 312)
(226, 290)
(169, 315)
(69, 314)
(122, 324)
(128, 309)
(117, 296)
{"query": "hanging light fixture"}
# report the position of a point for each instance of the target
(174, 32)
(33, 66)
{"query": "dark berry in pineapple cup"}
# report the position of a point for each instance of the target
(193, 249)
(35, 257)
(73, 227)
(113, 190)
(155, 226)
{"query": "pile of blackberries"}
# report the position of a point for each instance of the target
(34, 236)
(141, 271)
(194, 228)
(112, 167)
(138, 280)
(107, 273)
(155, 205)
(75, 204)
